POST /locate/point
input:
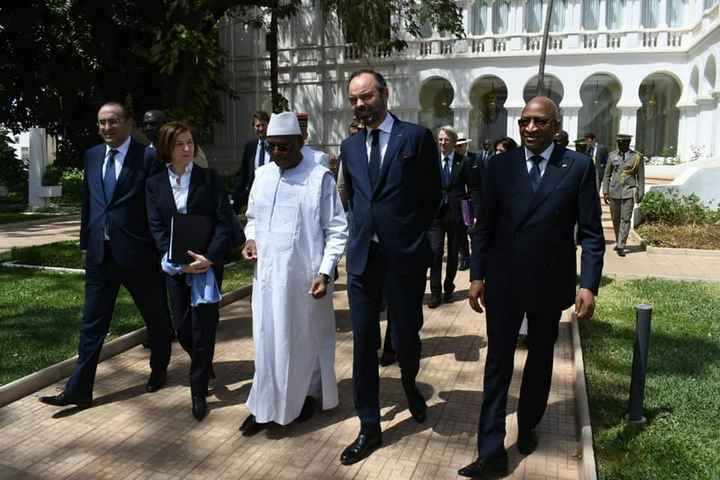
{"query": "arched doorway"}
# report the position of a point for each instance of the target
(599, 94)
(488, 117)
(436, 96)
(710, 75)
(553, 89)
(658, 119)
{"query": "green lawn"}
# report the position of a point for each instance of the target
(40, 319)
(40, 311)
(682, 399)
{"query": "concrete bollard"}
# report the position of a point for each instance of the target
(643, 315)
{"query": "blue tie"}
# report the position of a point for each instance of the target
(374, 165)
(110, 180)
(446, 171)
(535, 174)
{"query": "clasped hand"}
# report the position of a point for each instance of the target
(200, 263)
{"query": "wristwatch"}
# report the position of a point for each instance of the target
(325, 277)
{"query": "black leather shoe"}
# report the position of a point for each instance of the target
(199, 407)
(464, 265)
(63, 400)
(307, 411)
(621, 252)
(362, 447)
(449, 298)
(494, 465)
(434, 301)
(251, 426)
(387, 359)
(416, 402)
(157, 380)
(527, 442)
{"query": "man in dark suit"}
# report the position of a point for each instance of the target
(523, 262)
(152, 121)
(119, 250)
(392, 177)
(599, 154)
(254, 156)
(448, 220)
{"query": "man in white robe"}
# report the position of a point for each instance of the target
(296, 232)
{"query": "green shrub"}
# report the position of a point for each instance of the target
(72, 182)
(52, 175)
(676, 209)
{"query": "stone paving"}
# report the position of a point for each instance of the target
(131, 434)
(39, 232)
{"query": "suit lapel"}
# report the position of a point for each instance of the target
(167, 191)
(558, 166)
(196, 179)
(456, 167)
(396, 137)
(128, 164)
(358, 145)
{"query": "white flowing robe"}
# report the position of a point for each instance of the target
(297, 221)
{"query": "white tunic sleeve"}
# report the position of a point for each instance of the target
(334, 225)
(250, 213)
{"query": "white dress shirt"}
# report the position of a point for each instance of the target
(385, 128)
(546, 158)
(180, 186)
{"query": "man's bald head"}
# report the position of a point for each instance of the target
(545, 103)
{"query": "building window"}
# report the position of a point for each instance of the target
(533, 16)
(615, 10)
(675, 10)
(650, 13)
(658, 119)
(591, 14)
(501, 15)
(709, 3)
(478, 17)
(436, 96)
(557, 20)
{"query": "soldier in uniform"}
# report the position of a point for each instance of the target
(623, 185)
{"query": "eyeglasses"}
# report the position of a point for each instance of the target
(109, 122)
(539, 121)
(280, 147)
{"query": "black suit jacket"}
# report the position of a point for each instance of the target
(602, 155)
(457, 190)
(245, 176)
(125, 215)
(401, 207)
(523, 243)
(207, 197)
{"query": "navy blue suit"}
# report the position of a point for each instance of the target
(195, 326)
(399, 210)
(128, 258)
(245, 175)
(524, 250)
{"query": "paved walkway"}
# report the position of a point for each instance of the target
(130, 434)
(39, 232)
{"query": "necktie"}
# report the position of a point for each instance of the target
(374, 165)
(535, 174)
(446, 171)
(109, 179)
(263, 149)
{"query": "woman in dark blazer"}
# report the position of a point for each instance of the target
(186, 188)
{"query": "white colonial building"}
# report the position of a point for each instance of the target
(643, 67)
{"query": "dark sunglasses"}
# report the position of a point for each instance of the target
(539, 121)
(280, 147)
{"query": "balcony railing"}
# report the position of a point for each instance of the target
(578, 42)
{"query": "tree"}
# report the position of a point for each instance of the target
(383, 23)
(63, 58)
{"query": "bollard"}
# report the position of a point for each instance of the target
(643, 315)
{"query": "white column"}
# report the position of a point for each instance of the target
(687, 130)
(490, 17)
(461, 118)
(628, 120)
(513, 114)
(38, 163)
(570, 121)
(663, 20)
(602, 21)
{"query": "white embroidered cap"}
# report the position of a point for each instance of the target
(285, 123)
